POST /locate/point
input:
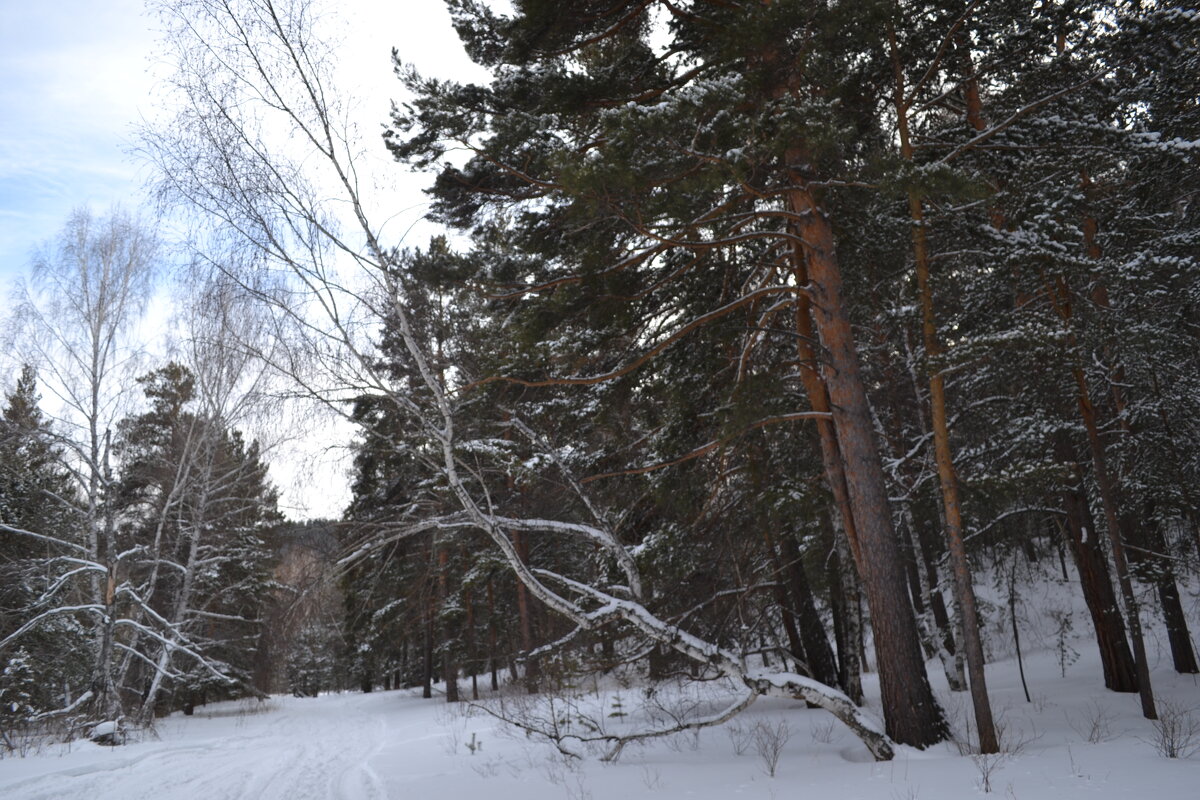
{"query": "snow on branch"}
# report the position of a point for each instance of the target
(80, 701)
(44, 538)
(780, 684)
(53, 612)
(698, 322)
(708, 447)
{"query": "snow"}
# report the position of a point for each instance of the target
(293, 748)
(1073, 739)
(104, 729)
(397, 745)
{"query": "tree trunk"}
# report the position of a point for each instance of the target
(844, 604)
(469, 633)
(449, 665)
(948, 479)
(1182, 654)
(1163, 575)
(845, 536)
(1120, 674)
(940, 634)
(493, 656)
(427, 660)
(812, 631)
(818, 399)
(787, 610)
(916, 587)
(937, 603)
(1191, 510)
(525, 615)
(1113, 524)
(912, 715)
(106, 699)
(964, 592)
(1060, 298)
(1154, 542)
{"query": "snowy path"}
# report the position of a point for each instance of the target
(298, 752)
(396, 746)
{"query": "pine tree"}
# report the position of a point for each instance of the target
(679, 175)
(198, 506)
(47, 665)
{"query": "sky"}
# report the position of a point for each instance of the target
(73, 78)
(78, 76)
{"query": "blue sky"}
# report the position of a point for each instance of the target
(74, 77)
(77, 76)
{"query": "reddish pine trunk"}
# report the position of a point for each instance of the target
(911, 713)
(964, 592)
(850, 665)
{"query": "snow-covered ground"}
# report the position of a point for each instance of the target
(396, 745)
(1072, 739)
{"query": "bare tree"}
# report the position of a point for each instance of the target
(88, 292)
(227, 381)
(263, 150)
(79, 319)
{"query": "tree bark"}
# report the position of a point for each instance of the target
(818, 399)
(1191, 509)
(427, 660)
(1112, 523)
(844, 605)
(1182, 654)
(449, 665)
(1162, 573)
(939, 634)
(964, 592)
(787, 609)
(812, 631)
(1060, 298)
(911, 713)
(1179, 637)
(850, 665)
(1120, 674)
(525, 618)
(493, 656)
(469, 633)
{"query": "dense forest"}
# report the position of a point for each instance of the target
(760, 332)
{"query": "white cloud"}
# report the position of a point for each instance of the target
(72, 77)
(77, 75)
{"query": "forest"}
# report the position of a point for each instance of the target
(774, 343)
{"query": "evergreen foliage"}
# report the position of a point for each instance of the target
(761, 328)
(628, 279)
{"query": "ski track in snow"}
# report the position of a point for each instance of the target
(397, 746)
(301, 754)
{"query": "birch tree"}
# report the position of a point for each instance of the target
(78, 314)
(80, 318)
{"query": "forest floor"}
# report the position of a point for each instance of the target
(1072, 739)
